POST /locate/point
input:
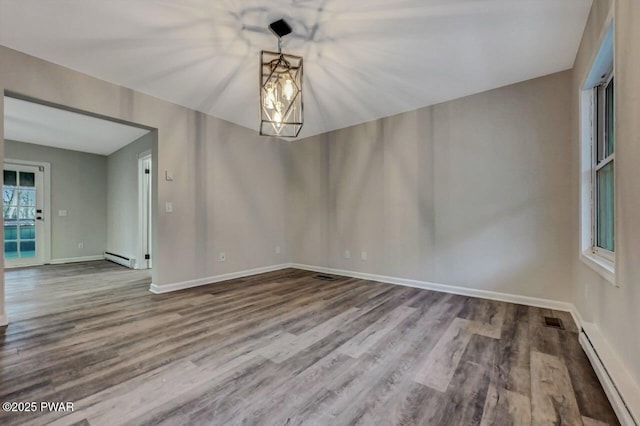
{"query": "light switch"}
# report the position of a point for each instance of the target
(168, 207)
(62, 213)
(168, 175)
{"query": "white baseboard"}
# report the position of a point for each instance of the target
(577, 318)
(483, 294)
(622, 391)
(463, 291)
(76, 259)
(3, 320)
(166, 288)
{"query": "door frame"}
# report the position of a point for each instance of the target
(46, 255)
(145, 211)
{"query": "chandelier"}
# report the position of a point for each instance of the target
(281, 108)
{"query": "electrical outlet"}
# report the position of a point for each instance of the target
(363, 255)
(80, 245)
(223, 257)
(347, 254)
(277, 249)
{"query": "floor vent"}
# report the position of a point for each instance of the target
(553, 323)
(324, 277)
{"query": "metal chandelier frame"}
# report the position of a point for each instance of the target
(281, 102)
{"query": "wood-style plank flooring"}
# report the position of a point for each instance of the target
(283, 349)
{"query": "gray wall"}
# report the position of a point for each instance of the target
(474, 192)
(615, 310)
(78, 185)
(122, 197)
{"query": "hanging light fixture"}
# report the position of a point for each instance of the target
(281, 109)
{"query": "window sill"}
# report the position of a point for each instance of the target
(604, 267)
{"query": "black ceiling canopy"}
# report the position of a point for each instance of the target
(280, 28)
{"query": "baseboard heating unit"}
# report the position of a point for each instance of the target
(129, 262)
(620, 406)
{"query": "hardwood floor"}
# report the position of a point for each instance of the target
(281, 349)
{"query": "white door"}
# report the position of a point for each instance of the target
(23, 213)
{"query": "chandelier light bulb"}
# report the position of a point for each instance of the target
(288, 89)
(269, 100)
(277, 117)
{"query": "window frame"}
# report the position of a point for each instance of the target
(599, 133)
(601, 65)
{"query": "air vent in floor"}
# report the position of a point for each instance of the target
(324, 277)
(553, 323)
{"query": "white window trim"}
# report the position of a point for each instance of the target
(599, 264)
(600, 260)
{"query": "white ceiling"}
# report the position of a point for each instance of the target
(44, 125)
(364, 59)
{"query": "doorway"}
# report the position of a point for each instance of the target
(25, 213)
(70, 195)
(99, 207)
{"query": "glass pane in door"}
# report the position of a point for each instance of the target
(27, 179)
(27, 197)
(19, 213)
(10, 214)
(27, 248)
(10, 249)
(10, 178)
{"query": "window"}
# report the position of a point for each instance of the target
(603, 141)
(597, 165)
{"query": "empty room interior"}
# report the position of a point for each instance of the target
(422, 212)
